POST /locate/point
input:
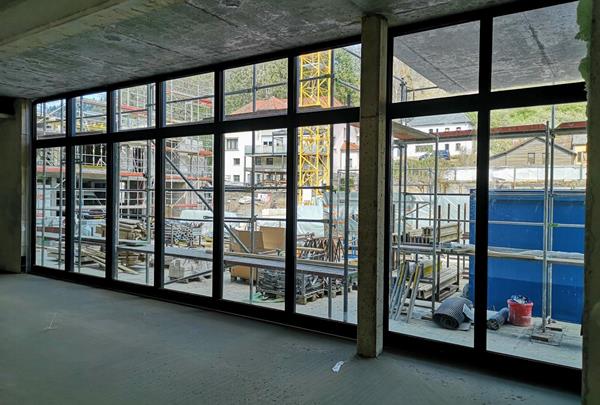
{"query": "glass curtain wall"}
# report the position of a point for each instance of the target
(536, 180)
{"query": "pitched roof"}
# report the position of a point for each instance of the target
(537, 138)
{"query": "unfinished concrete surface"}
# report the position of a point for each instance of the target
(70, 45)
(65, 344)
(372, 185)
(13, 166)
(591, 321)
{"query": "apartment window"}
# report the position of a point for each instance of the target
(236, 178)
(457, 147)
(269, 162)
(231, 144)
(236, 161)
(531, 158)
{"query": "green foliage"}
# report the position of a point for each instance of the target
(538, 115)
(346, 68)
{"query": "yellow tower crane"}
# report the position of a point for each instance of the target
(314, 141)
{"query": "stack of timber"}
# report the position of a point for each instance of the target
(445, 233)
(447, 285)
(129, 229)
(94, 256)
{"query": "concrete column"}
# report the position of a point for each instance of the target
(591, 314)
(13, 188)
(372, 186)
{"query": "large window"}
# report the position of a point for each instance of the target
(135, 219)
(535, 172)
(135, 107)
(437, 63)
(327, 224)
(189, 213)
(90, 209)
(536, 231)
(537, 47)
(431, 215)
(190, 99)
(329, 78)
(256, 90)
(51, 119)
(50, 208)
(255, 218)
(90, 113)
(236, 187)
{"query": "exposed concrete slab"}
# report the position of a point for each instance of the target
(96, 42)
(68, 344)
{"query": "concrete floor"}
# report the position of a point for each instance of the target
(65, 343)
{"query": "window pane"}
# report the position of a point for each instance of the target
(327, 225)
(329, 79)
(256, 90)
(189, 214)
(136, 212)
(433, 178)
(50, 208)
(50, 119)
(90, 209)
(190, 99)
(255, 201)
(536, 231)
(537, 47)
(437, 63)
(135, 107)
(90, 113)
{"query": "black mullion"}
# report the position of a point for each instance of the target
(482, 184)
(218, 191)
(291, 191)
(32, 188)
(112, 192)
(70, 188)
(159, 188)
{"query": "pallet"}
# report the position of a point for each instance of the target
(309, 297)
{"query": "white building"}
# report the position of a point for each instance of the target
(441, 124)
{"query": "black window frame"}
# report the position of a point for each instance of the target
(482, 102)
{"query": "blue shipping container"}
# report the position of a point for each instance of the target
(507, 277)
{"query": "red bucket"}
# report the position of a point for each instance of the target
(519, 314)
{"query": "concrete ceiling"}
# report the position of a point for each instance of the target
(47, 47)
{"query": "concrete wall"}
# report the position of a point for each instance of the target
(13, 184)
(591, 338)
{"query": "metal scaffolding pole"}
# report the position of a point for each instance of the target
(545, 235)
(434, 268)
(346, 221)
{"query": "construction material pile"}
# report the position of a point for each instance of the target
(272, 284)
